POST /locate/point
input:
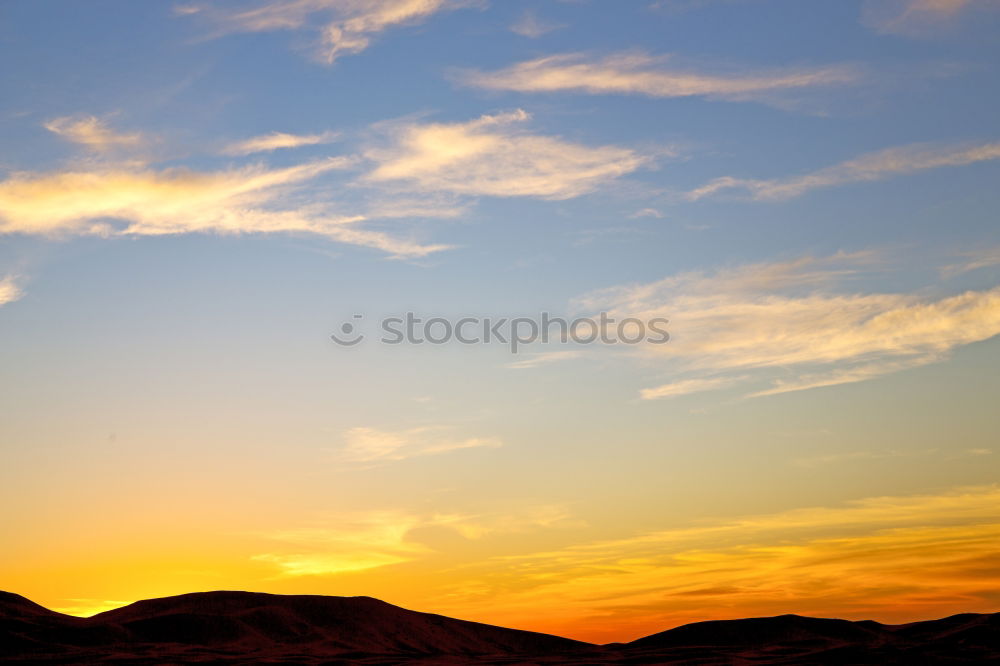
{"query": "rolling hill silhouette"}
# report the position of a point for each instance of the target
(245, 627)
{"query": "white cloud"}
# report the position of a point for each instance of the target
(852, 456)
(490, 156)
(914, 17)
(368, 540)
(173, 201)
(346, 544)
(974, 260)
(545, 358)
(369, 445)
(9, 291)
(647, 212)
(638, 73)
(345, 26)
(276, 141)
(426, 207)
(799, 324)
(905, 17)
(849, 375)
(92, 133)
(685, 386)
(867, 168)
(529, 25)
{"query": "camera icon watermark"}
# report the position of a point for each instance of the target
(349, 335)
(515, 332)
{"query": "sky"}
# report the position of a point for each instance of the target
(194, 196)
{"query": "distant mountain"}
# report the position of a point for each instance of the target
(244, 627)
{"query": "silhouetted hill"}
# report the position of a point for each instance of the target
(16, 606)
(244, 627)
(357, 624)
(762, 631)
(793, 639)
(260, 627)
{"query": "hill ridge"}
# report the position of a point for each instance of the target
(233, 626)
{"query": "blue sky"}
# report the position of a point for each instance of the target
(193, 196)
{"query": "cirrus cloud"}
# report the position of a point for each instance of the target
(532, 27)
(149, 202)
(643, 74)
(92, 133)
(914, 17)
(899, 558)
(9, 290)
(356, 542)
(797, 324)
(370, 445)
(875, 166)
(345, 26)
(277, 141)
(490, 156)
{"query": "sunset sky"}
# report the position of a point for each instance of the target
(195, 195)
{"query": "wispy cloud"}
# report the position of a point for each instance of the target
(424, 205)
(545, 358)
(871, 167)
(150, 201)
(642, 74)
(904, 17)
(347, 544)
(893, 557)
(801, 324)
(276, 141)
(646, 212)
(368, 540)
(853, 456)
(529, 25)
(9, 290)
(89, 607)
(811, 462)
(92, 133)
(491, 156)
(173, 201)
(686, 386)
(681, 6)
(344, 26)
(973, 260)
(849, 375)
(370, 445)
(913, 17)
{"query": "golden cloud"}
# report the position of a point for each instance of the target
(173, 201)
(368, 445)
(789, 315)
(92, 133)
(9, 290)
(489, 156)
(913, 17)
(642, 74)
(278, 141)
(896, 558)
(871, 167)
(349, 27)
